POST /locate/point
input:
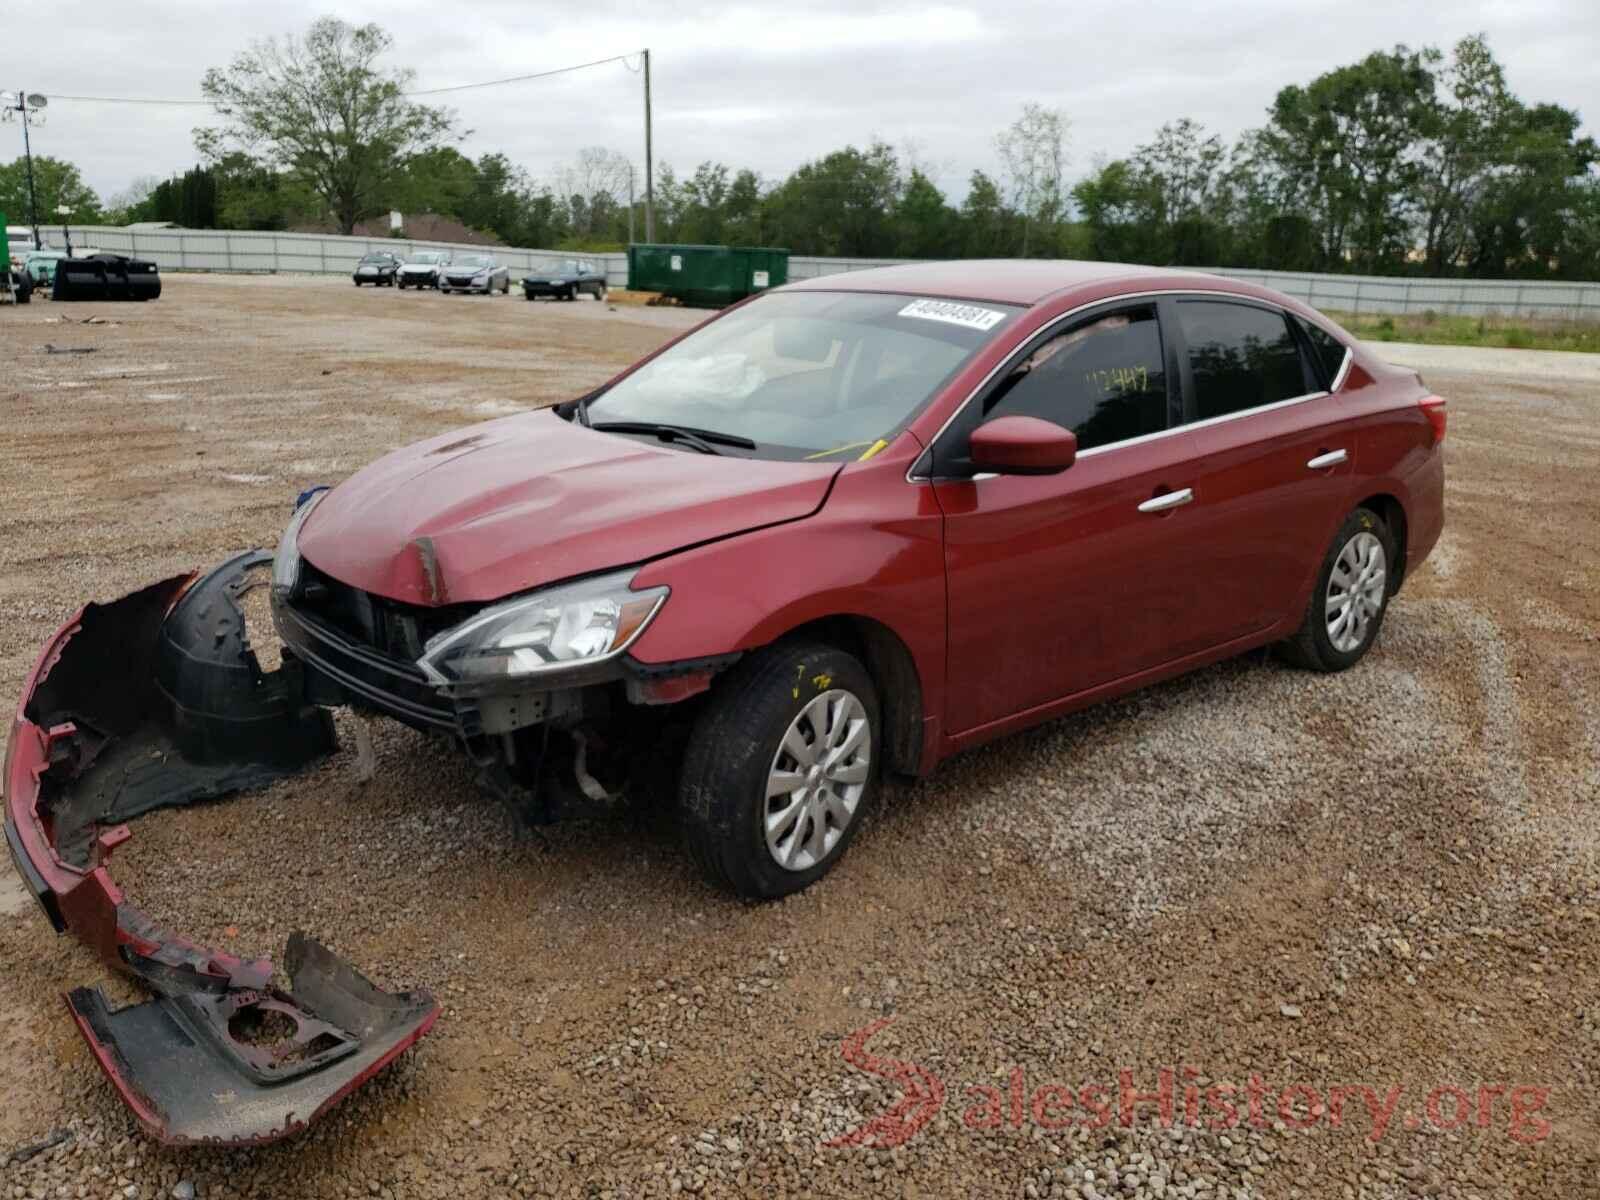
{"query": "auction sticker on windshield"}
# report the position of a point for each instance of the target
(969, 315)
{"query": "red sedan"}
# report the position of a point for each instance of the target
(846, 528)
(865, 521)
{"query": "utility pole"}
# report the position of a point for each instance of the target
(649, 162)
(21, 106)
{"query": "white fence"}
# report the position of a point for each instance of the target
(292, 253)
(310, 253)
(1358, 293)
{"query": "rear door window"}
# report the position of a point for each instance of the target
(1105, 379)
(1240, 357)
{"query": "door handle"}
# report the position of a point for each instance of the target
(1331, 459)
(1167, 500)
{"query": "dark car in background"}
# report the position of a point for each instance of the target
(422, 269)
(378, 269)
(564, 279)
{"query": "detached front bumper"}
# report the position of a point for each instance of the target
(152, 701)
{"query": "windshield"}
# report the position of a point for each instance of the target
(556, 266)
(807, 375)
(376, 258)
(426, 258)
(473, 260)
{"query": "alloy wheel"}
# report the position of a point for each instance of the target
(817, 779)
(1356, 590)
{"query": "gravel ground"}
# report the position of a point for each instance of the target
(1386, 879)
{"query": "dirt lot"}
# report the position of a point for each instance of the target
(1387, 879)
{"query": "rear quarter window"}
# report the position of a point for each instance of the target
(1327, 350)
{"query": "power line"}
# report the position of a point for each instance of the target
(463, 87)
(440, 91)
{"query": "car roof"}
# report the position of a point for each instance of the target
(1024, 281)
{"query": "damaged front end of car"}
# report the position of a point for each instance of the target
(153, 701)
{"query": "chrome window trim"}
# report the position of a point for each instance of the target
(1343, 372)
(1338, 382)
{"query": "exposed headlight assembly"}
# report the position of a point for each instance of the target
(584, 622)
(286, 562)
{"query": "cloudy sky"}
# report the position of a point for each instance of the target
(769, 84)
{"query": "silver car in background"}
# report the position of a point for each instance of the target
(475, 273)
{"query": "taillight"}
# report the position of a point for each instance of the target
(1433, 408)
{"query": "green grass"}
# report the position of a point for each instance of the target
(1442, 329)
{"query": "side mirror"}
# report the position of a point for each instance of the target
(1023, 446)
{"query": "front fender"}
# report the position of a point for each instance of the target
(875, 549)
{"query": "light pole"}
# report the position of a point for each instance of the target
(649, 162)
(27, 105)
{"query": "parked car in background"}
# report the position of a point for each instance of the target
(19, 244)
(40, 265)
(421, 270)
(475, 273)
(564, 279)
(378, 269)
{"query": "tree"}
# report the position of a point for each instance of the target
(437, 180)
(841, 204)
(1033, 150)
(323, 108)
(1182, 169)
(1533, 203)
(925, 226)
(593, 187)
(56, 182)
(985, 222)
(1121, 209)
(190, 201)
(1466, 132)
(120, 207)
(1346, 145)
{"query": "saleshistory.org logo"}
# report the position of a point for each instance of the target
(1177, 1098)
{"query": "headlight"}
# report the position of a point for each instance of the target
(582, 622)
(286, 562)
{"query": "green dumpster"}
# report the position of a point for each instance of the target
(706, 274)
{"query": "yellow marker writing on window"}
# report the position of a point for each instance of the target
(837, 450)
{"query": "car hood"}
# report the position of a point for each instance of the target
(509, 505)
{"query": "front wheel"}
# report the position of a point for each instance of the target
(1350, 597)
(780, 769)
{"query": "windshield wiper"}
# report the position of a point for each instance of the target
(700, 439)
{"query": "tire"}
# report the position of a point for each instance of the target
(740, 742)
(1322, 643)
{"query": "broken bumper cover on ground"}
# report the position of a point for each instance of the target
(152, 701)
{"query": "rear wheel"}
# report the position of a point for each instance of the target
(780, 769)
(1350, 597)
